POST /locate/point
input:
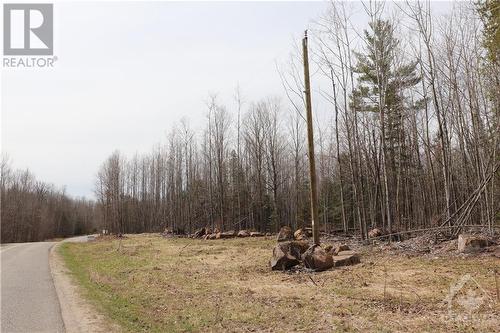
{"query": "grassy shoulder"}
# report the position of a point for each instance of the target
(147, 283)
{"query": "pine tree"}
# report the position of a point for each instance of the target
(382, 81)
(489, 12)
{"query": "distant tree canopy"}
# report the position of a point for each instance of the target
(32, 210)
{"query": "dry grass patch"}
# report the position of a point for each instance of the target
(152, 284)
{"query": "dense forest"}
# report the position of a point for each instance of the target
(411, 140)
(32, 210)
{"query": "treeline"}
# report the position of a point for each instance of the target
(32, 210)
(411, 141)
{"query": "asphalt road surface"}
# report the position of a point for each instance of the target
(29, 301)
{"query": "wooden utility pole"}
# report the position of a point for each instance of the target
(310, 142)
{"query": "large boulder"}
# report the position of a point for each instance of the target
(243, 233)
(345, 258)
(471, 243)
(317, 258)
(286, 255)
(285, 234)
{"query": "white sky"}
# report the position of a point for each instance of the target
(127, 71)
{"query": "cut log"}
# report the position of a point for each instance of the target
(340, 248)
(300, 234)
(286, 255)
(346, 258)
(200, 233)
(243, 233)
(317, 258)
(285, 234)
(228, 234)
(328, 247)
(471, 243)
(375, 233)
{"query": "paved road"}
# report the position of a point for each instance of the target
(29, 302)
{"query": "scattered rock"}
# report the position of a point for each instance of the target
(286, 255)
(243, 233)
(317, 258)
(285, 234)
(345, 258)
(268, 234)
(375, 233)
(471, 243)
(256, 234)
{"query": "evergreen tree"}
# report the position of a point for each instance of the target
(489, 11)
(382, 80)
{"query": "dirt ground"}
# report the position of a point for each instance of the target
(152, 284)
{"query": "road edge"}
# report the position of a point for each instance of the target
(79, 316)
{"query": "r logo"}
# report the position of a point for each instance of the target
(28, 29)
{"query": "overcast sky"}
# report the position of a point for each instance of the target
(127, 71)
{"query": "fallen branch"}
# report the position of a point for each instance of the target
(312, 280)
(180, 252)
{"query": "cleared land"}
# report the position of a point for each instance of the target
(148, 283)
